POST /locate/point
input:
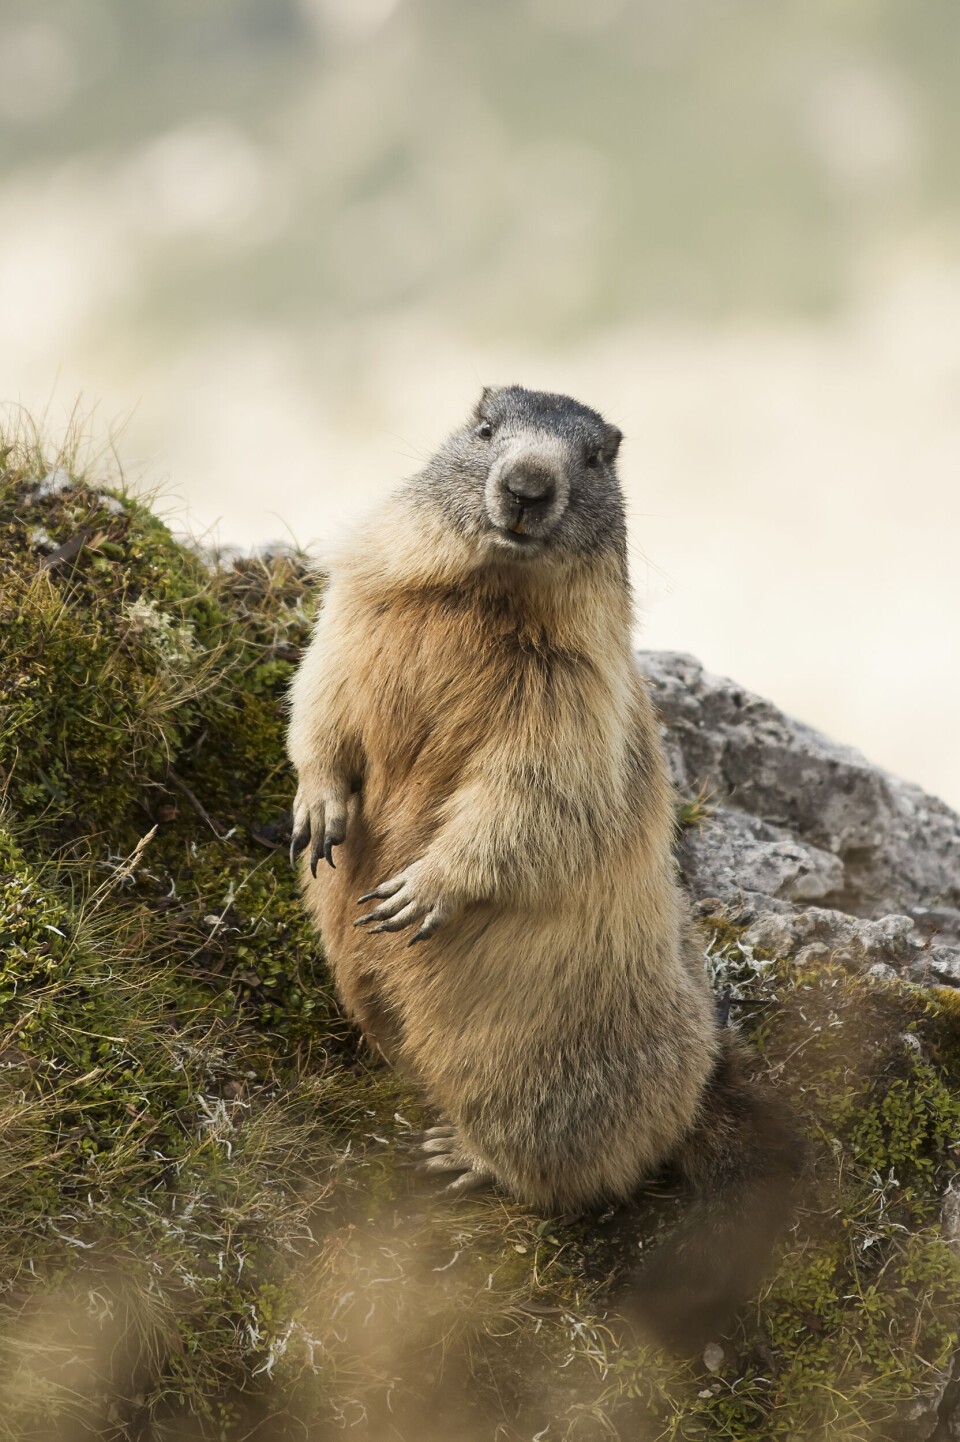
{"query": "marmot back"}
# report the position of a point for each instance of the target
(473, 738)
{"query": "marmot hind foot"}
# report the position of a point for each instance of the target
(442, 1150)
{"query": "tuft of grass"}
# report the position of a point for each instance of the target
(694, 810)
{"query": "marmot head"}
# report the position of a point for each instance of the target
(530, 475)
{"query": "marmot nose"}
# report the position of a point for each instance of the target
(530, 484)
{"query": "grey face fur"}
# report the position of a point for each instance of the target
(530, 475)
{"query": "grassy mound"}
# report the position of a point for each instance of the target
(206, 1227)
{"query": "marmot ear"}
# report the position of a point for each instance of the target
(486, 396)
(611, 442)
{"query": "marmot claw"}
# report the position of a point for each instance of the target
(444, 1151)
(325, 824)
(401, 905)
(299, 840)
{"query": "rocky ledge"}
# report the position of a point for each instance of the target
(803, 838)
(824, 857)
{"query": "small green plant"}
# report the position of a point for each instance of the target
(695, 810)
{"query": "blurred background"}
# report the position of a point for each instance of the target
(280, 244)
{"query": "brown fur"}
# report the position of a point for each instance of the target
(480, 723)
(502, 733)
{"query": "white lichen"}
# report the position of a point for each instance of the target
(174, 641)
(53, 484)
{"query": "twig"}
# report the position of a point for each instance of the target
(197, 805)
(68, 550)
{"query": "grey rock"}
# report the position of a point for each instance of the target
(882, 971)
(917, 1420)
(937, 920)
(936, 964)
(734, 856)
(868, 843)
(869, 941)
(888, 947)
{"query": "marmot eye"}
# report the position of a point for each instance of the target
(593, 460)
(485, 430)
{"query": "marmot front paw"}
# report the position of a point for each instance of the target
(404, 899)
(322, 817)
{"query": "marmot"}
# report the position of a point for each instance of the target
(473, 736)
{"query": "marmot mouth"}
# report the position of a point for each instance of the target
(516, 540)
